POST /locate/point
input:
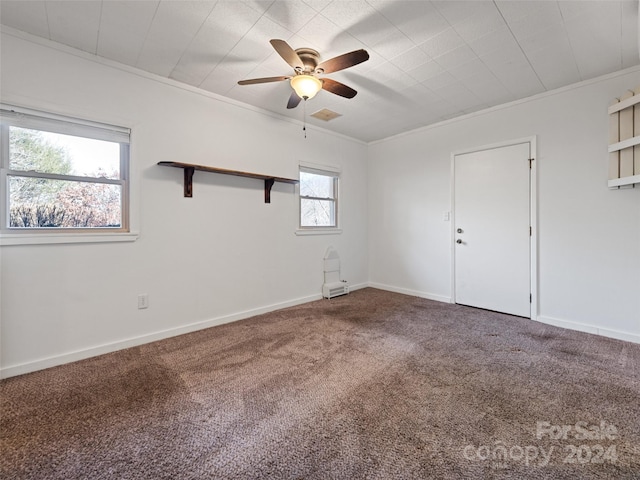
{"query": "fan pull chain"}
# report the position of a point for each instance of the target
(304, 118)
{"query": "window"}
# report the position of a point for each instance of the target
(62, 175)
(318, 199)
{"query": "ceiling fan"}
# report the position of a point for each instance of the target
(307, 66)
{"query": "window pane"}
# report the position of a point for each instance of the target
(317, 213)
(313, 185)
(48, 152)
(42, 203)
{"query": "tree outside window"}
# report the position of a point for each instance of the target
(59, 180)
(318, 198)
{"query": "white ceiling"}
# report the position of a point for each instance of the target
(430, 60)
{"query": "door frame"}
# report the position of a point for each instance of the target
(533, 216)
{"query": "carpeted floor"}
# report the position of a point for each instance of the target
(371, 385)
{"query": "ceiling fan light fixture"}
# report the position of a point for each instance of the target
(306, 86)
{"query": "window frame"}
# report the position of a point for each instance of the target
(328, 171)
(12, 116)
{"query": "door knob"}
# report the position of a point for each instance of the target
(459, 240)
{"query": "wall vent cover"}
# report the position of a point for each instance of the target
(335, 290)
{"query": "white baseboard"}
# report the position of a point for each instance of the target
(358, 286)
(584, 327)
(41, 364)
(413, 293)
(578, 326)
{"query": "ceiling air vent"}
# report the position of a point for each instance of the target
(325, 114)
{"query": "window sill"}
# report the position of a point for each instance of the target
(64, 238)
(318, 231)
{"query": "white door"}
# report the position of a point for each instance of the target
(492, 229)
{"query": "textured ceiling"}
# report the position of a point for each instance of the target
(430, 60)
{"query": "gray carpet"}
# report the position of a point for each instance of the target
(371, 385)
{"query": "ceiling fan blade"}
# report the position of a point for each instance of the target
(338, 88)
(253, 81)
(343, 61)
(294, 100)
(287, 53)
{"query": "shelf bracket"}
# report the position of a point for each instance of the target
(268, 183)
(188, 181)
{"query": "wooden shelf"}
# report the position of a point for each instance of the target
(621, 182)
(624, 140)
(190, 168)
(629, 102)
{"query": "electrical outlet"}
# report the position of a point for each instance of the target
(143, 301)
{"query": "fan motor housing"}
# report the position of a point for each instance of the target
(310, 58)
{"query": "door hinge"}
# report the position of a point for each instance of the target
(530, 298)
(530, 231)
(531, 161)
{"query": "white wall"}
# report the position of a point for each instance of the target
(588, 235)
(224, 254)
(221, 255)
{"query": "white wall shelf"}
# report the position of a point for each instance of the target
(630, 142)
(621, 182)
(624, 140)
(629, 102)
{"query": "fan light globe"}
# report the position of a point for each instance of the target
(306, 86)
